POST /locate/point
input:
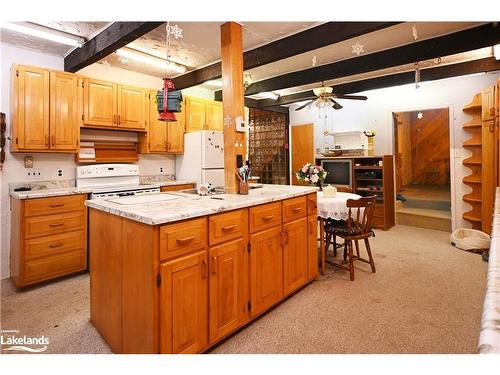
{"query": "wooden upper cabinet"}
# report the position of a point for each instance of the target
(175, 134)
(266, 269)
(157, 130)
(184, 304)
(99, 102)
(295, 265)
(132, 107)
(30, 130)
(227, 284)
(195, 114)
(215, 119)
(488, 103)
(64, 114)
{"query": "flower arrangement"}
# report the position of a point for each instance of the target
(314, 174)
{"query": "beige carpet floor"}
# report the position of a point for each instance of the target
(426, 297)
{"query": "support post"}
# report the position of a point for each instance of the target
(233, 99)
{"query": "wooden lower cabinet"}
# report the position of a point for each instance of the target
(312, 246)
(176, 187)
(295, 266)
(266, 269)
(48, 238)
(227, 295)
(184, 305)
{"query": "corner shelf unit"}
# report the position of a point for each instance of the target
(474, 162)
(374, 175)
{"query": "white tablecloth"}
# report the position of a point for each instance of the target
(334, 207)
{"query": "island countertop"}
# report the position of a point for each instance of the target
(185, 206)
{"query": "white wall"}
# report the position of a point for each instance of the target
(47, 164)
(376, 114)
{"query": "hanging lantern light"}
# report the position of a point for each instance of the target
(169, 100)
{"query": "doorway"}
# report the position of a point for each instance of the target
(422, 158)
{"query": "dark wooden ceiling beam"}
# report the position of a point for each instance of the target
(116, 36)
(307, 40)
(461, 41)
(487, 64)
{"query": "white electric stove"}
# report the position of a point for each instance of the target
(112, 180)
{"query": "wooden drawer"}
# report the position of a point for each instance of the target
(294, 208)
(54, 205)
(53, 266)
(312, 204)
(378, 210)
(55, 244)
(227, 226)
(265, 216)
(182, 238)
(51, 224)
(176, 187)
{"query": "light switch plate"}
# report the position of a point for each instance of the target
(240, 124)
(28, 161)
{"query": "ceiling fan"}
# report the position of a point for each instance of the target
(325, 96)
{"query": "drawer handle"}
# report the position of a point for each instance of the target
(267, 218)
(58, 244)
(296, 209)
(186, 239)
(56, 205)
(229, 227)
(53, 225)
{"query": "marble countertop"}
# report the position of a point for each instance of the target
(37, 192)
(489, 339)
(190, 206)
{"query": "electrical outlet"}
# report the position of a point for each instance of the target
(34, 174)
(59, 173)
(162, 170)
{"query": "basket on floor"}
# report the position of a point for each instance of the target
(470, 239)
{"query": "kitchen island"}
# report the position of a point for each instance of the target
(177, 273)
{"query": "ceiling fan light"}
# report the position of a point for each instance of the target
(322, 90)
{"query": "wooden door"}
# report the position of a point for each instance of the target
(175, 134)
(488, 103)
(266, 269)
(157, 132)
(227, 305)
(131, 107)
(312, 246)
(215, 120)
(99, 102)
(184, 304)
(302, 148)
(31, 108)
(295, 262)
(64, 122)
(195, 114)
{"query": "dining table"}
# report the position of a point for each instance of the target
(331, 208)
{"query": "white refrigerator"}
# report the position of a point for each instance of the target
(203, 158)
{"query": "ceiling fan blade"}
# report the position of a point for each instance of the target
(304, 105)
(352, 97)
(335, 105)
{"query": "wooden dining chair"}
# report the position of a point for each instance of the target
(344, 189)
(358, 226)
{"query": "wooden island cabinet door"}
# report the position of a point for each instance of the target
(228, 309)
(184, 304)
(30, 129)
(266, 269)
(64, 124)
(295, 265)
(99, 102)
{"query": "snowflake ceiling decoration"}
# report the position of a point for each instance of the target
(414, 32)
(358, 48)
(174, 30)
